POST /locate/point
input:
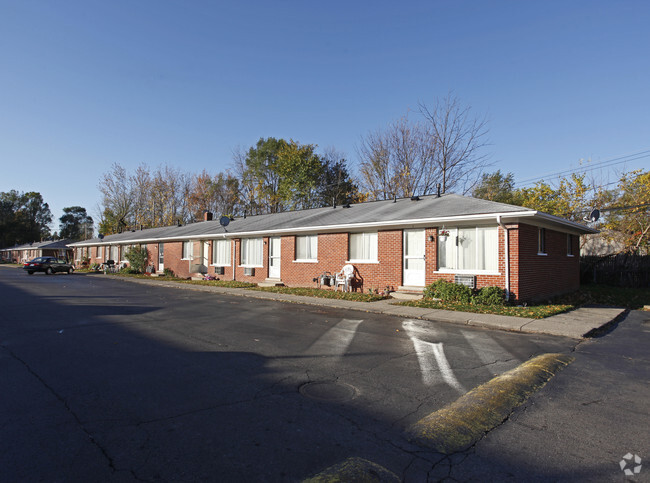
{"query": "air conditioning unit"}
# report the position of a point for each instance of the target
(249, 272)
(468, 280)
(219, 270)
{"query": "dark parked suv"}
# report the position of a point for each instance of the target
(49, 265)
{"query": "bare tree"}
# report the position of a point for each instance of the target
(375, 169)
(459, 139)
(398, 161)
(411, 157)
(117, 200)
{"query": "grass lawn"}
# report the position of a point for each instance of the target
(631, 298)
(323, 293)
(213, 283)
(529, 311)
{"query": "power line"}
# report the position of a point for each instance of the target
(611, 208)
(591, 167)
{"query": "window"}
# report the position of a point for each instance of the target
(307, 247)
(541, 241)
(569, 245)
(113, 253)
(221, 253)
(188, 250)
(363, 247)
(469, 249)
(100, 252)
(251, 252)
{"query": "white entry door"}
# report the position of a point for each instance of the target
(274, 257)
(414, 254)
(161, 257)
(205, 256)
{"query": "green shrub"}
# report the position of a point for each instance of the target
(168, 272)
(491, 296)
(137, 258)
(448, 291)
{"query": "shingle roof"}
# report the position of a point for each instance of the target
(51, 244)
(377, 214)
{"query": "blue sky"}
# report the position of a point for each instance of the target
(85, 84)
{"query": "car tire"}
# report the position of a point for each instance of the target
(49, 271)
(30, 272)
(70, 270)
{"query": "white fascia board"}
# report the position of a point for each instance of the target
(551, 221)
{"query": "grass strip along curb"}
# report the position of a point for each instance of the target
(462, 423)
(357, 470)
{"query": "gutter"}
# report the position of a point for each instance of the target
(506, 234)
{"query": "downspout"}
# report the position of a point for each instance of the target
(507, 255)
(234, 258)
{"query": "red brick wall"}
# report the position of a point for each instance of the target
(543, 276)
(532, 276)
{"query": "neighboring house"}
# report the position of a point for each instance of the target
(29, 251)
(402, 244)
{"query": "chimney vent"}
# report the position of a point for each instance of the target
(207, 216)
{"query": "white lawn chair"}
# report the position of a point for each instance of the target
(344, 278)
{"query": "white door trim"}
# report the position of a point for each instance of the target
(275, 259)
(414, 277)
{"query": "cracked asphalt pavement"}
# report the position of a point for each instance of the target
(110, 381)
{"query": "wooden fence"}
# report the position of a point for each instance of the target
(620, 270)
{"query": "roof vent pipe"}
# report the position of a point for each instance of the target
(438, 190)
(394, 198)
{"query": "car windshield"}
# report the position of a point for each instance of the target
(40, 259)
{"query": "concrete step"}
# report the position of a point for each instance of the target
(410, 289)
(407, 292)
(271, 282)
(405, 296)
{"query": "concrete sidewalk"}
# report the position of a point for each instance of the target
(576, 324)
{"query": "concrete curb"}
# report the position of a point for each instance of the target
(576, 324)
(357, 470)
(462, 423)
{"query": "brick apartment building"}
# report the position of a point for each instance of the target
(402, 244)
(29, 251)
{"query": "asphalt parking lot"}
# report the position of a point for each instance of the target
(109, 380)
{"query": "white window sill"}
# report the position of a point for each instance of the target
(305, 261)
(187, 259)
(367, 262)
(467, 272)
(219, 265)
(250, 266)
(570, 256)
(543, 254)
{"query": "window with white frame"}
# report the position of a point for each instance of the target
(251, 252)
(307, 248)
(221, 253)
(363, 247)
(113, 253)
(541, 241)
(469, 249)
(188, 250)
(100, 252)
(124, 251)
